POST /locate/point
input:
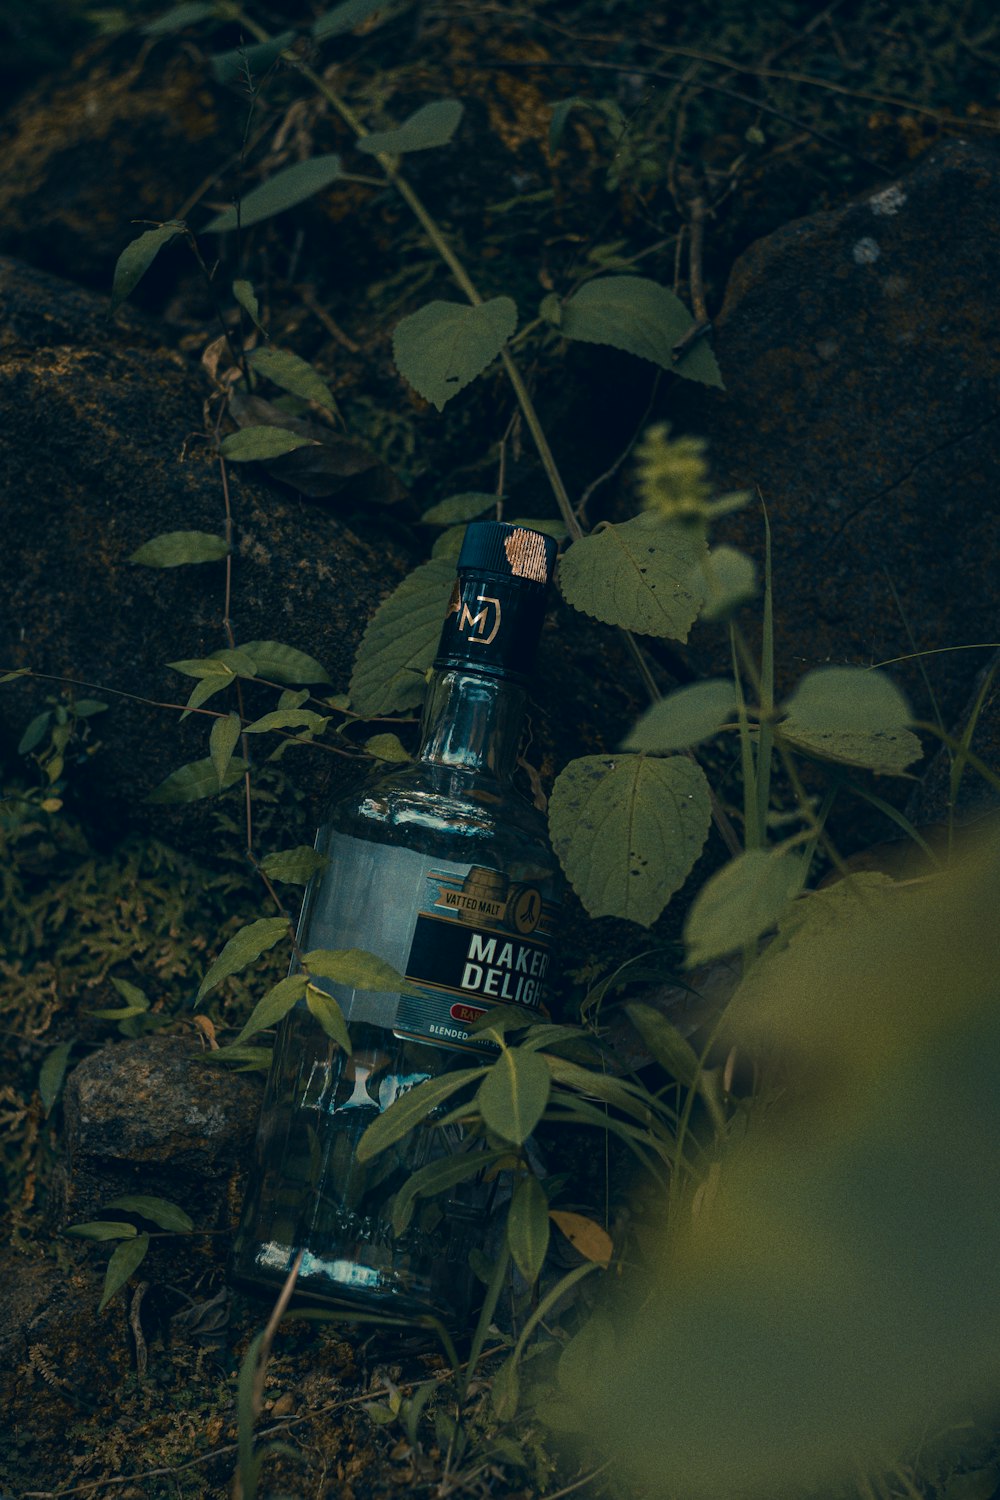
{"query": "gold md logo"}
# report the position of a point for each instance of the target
(484, 624)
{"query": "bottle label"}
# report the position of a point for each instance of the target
(466, 936)
(479, 940)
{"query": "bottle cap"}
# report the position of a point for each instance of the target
(498, 603)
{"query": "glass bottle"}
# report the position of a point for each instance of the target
(441, 868)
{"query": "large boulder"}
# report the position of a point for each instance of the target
(100, 450)
(861, 354)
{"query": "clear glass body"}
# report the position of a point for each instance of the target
(454, 803)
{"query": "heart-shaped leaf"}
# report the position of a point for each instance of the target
(641, 317)
(637, 575)
(443, 347)
(398, 646)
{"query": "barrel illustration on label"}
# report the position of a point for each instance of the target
(479, 940)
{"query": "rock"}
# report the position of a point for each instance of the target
(861, 354)
(127, 133)
(151, 1116)
(100, 450)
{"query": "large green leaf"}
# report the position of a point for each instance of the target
(273, 1007)
(685, 717)
(431, 125)
(284, 190)
(740, 902)
(296, 866)
(443, 347)
(514, 1094)
(457, 508)
(172, 549)
(285, 664)
(410, 1109)
(103, 1229)
(242, 949)
(399, 643)
(159, 1211)
(627, 830)
(852, 715)
(197, 779)
(137, 257)
(528, 1228)
(252, 444)
(292, 374)
(641, 317)
(52, 1073)
(638, 575)
(126, 1259)
(354, 968)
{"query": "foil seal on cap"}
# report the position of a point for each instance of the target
(508, 551)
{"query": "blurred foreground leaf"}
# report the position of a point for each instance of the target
(838, 1292)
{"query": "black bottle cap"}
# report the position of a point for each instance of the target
(498, 603)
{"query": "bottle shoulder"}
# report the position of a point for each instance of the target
(442, 811)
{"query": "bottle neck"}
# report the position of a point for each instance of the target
(472, 722)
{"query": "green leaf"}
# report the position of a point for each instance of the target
(228, 67)
(675, 1055)
(684, 718)
(528, 1226)
(441, 348)
(227, 664)
(159, 1211)
(244, 948)
(280, 663)
(346, 17)
(410, 1109)
(324, 1009)
(253, 443)
(125, 1260)
(293, 374)
(727, 581)
(197, 779)
(294, 866)
(35, 732)
(270, 1010)
(353, 967)
(136, 259)
(505, 1390)
(437, 1177)
(514, 1094)
(288, 718)
(641, 317)
(854, 716)
(100, 1229)
(637, 575)
(52, 1073)
(222, 741)
(172, 549)
(740, 902)
(627, 830)
(84, 708)
(247, 298)
(560, 114)
(178, 17)
(241, 1059)
(284, 190)
(449, 543)
(399, 644)
(387, 747)
(431, 125)
(458, 508)
(131, 993)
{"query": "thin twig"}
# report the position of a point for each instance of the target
(696, 282)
